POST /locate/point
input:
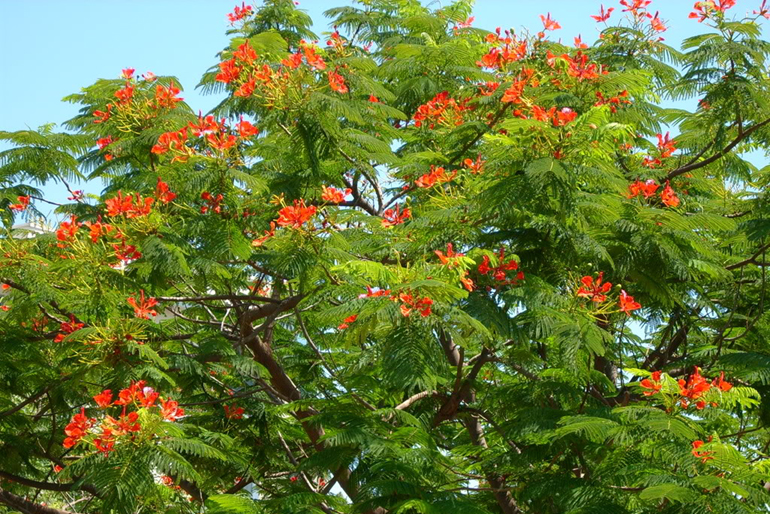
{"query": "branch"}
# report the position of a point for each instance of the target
(26, 506)
(718, 155)
(47, 486)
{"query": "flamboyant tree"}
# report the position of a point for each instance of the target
(420, 267)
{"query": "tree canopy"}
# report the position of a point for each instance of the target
(414, 266)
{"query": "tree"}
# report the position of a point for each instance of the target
(421, 268)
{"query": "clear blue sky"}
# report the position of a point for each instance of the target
(52, 48)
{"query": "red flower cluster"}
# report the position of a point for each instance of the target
(603, 15)
(704, 456)
(66, 328)
(125, 205)
(239, 13)
(705, 9)
(409, 302)
(441, 110)
(653, 386)
(166, 96)
(333, 195)
(512, 50)
(77, 428)
(127, 423)
(434, 176)
(648, 189)
(21, 206)
(393, 217)
(337, 82)
(614, 101)
(144, 307)
(213, 203)
(347, 321)
(476, 166)
(296, 215)
(596, 290)
(665, 145)
(67, 230)
(233, 412)
(268, 234)
(696, 386)
(499, 272)
(450, 258)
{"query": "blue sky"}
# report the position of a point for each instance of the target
(52, 48)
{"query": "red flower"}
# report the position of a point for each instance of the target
(228, 71)
(221, 141)
(333, 195)
(293, 61)
(476, 166)
(162, 192)
(337, 82)
(409, 304)
(173, 140)
(296, 215)
(704, 456)
(68, 229)
(102, 116)
(434, 176)
(579, 43)
(603, 15)
(170, 410)
(467, 282)
(653, 385)
(647, 188)
(665, 145)
(657, 24)
(693, 389)
(564, 116)
(393, 217)
(721, 383)
(763, 10)
(580, 68)
(668, 196)
(166, 96)
(347, 321)
(635, 5)
(128, 73)
(594, 289)
(129, 394)
(440, 110)
(548, 23)
(104, 399)
(57, 468)
(22, 205)
(125, 94)
(149, 76)
(76, 429)
(246, 129)
(233, 412)
(125, 252)
(513, 93)
(314, 60)
(268, 234)
(239, 13)
(204, 126)
(144, 308)
(245, 53)
(125, 205)
(450, 257)
(627, 303)
(98, 229)
(212, 201)
(374, 99)
(66, 328)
